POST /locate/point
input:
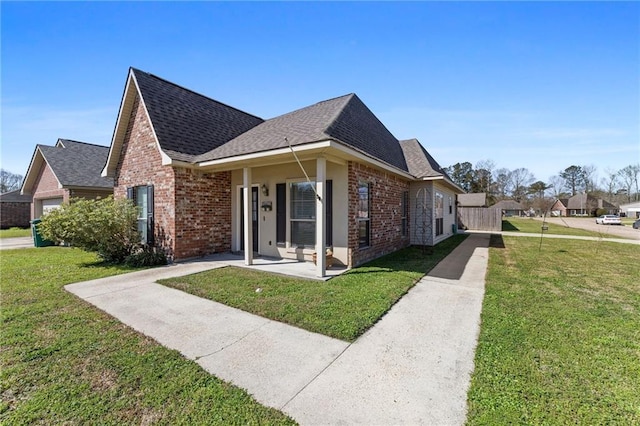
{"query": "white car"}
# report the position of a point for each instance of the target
(608, 219)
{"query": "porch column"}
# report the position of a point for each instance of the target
(321, 232)
(248, 211)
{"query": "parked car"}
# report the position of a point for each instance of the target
(608, 219)
(636, 224)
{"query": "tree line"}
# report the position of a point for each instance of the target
(616, 186)
(9, 181)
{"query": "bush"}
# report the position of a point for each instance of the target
(601, 212)
(146, 256)
(105, 226)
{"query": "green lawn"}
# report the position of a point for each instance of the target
(65, 362)
(343, 307)
(560, 335)
(529, 225)
(15, 232)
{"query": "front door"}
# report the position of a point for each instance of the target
(254, 217)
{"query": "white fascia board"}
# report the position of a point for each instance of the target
(118, 136)
(322, 146)
(119, 133)
(265, 154)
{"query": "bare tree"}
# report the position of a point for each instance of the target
(521, 179)
(557, 184)
(590, 178)
(484, 175)
(629, 180)
(9, 181)
(610, 182)
(502, 184)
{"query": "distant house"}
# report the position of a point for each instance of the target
(472, 200)
(15, 210)
(559, 207)
(70, 169)
(211, 178)
(584, 205)
(630, 209)
(509, 207)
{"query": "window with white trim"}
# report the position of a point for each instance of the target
(302, 214)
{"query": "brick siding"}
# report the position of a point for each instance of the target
(385, 214)
(192, 209)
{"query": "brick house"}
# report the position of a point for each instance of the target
(15, 210)
(581, 205)
(70, 169)
(211, 178)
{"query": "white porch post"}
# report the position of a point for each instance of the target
(321, 260)
(248, 213)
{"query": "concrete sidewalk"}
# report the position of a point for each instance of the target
(412, 367)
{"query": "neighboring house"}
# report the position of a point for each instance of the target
(559, 207)
(509, 208)
(472, 200)
(587, 205)
(630, 210)
(15, 210)
(211, 178)
(70, 169)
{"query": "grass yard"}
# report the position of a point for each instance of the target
(560, 335)
(529, 225)
(65, 362)
(15, 232)
(343, 307)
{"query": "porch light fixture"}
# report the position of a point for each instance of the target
(265, 190)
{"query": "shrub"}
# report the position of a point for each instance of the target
(146, 256)
(601, 212)
(105, 226)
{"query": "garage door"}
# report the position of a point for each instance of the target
(50, 204)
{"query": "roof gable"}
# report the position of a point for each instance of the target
(186, 122)
(419, 162)
(345, 119)
(74, 164)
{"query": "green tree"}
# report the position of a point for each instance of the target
(105, 226)
(462, 174)
(574, 178)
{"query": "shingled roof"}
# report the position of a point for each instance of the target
(75, 164)
(187, 123)
(420, 163)
(345, 119)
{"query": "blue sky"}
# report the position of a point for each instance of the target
(535, 85)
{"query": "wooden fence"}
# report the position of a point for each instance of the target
(479, 219)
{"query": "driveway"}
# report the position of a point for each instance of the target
(590, 224)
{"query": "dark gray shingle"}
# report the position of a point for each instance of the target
(187, 123)
(420, 163)
(77, 163)
(345, 119)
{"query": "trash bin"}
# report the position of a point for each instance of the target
(38, 241)
(454, 228)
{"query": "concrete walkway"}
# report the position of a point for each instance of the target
(557, 236)
(412, 367)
